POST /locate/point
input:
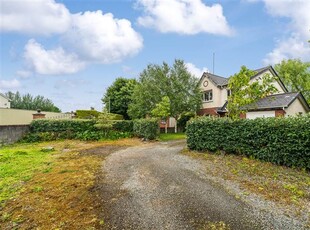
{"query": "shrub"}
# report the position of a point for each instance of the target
(87, 114)
(49, 130)
(74, 125)
(146, 128)
(185, 117)
(123, 126)
(283, 141)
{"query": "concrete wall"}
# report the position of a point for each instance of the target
(24, 117)
(12, 133)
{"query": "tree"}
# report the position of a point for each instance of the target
(29, 102)
(295, 75)
(158, 81)
(118, 96)
(162, 110)
(245, 92)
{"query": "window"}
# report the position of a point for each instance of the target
(228, 92)
(207, 96)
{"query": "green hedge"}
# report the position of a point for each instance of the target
(91, 114)
(87, 114)
(73, 125)
(49, 130)
(123, 126)
(146, 128)
(283, 141)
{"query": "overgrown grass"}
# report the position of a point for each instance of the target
(18, 163)
(51, 187)
(277, 183)
(171, 136)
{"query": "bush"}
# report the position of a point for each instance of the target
(123, 126)
(283, 141)
(73, 125)
(87, 114)
(185, 117)
(146, 128)
(49, 130)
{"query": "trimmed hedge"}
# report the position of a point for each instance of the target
(123, 126)
(146, 128)
(49, 130)
(91, 114)
(87, 114)
(283, 141)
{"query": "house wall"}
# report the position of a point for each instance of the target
(217, 95)
(4, 103)
(275, 83)
(256, 114)
(24, 117)
(295, 108)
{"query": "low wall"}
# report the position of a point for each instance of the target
(12, 133)
(24, 117)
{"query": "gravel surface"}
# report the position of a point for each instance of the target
(154, 187)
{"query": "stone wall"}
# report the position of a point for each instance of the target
(12, 133)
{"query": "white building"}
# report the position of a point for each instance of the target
(4, 101)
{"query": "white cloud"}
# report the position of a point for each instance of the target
(54, 62)
(23, 74)
(292, 47)
(183, 16)
(94, 37)
(294, 44)
(195, 70)
(99, 37)
(6, 85)
(34, 16)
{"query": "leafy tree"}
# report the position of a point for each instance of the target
(245, 92)
(162, 110)
(295, 75)
(118, 96)
(29, 102)
(158, 81)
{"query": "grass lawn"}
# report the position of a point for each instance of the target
(47, 188)
(171, 136)
(18, 163)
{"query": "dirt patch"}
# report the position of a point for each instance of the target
(63, 195)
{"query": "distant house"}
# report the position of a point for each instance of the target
(4, 101)
(283, 103)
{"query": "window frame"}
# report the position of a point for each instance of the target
(208, 98)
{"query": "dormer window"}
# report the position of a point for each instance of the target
(207, 96)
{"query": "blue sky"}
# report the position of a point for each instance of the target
(71, 50)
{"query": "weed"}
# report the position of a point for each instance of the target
(38, 189)
(5, 217)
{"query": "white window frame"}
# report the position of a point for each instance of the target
(207, 95)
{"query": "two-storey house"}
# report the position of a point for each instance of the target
(283, 103)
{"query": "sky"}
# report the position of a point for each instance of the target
(71, 51)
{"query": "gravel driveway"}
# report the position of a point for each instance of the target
(153, 186)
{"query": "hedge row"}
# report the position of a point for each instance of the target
(47, 130)
(283, 141)
(92, 114)
(146, 128)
